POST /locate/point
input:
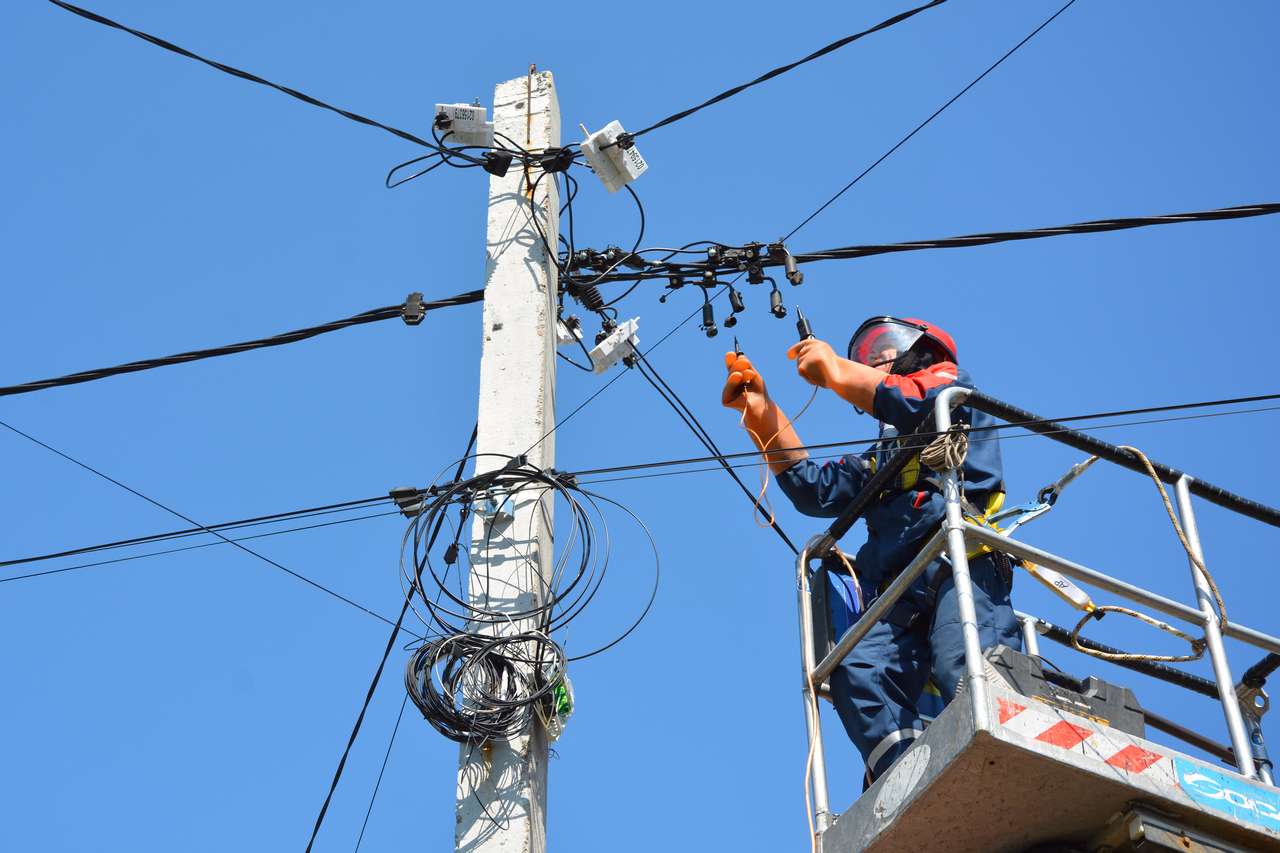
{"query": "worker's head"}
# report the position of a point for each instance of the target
(900, 346)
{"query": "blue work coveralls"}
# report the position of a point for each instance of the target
(877, 688)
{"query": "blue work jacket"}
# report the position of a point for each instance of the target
(900, 521)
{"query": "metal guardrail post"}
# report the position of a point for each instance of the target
(1217, 654)
(884, 603)
(821, 799)
(955, 529)
(1030, 636)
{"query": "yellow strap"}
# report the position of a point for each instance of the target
(995, 500)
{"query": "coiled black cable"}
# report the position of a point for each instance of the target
(490, 661)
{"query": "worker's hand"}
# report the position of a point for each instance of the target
(817, 362)
(853, 382)
(744, 387)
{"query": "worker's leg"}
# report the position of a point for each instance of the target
(996, 622)
(875, 689)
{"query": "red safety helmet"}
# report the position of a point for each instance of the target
(908, 344)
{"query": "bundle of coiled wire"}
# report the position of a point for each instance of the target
(490, 662)
(471, 687)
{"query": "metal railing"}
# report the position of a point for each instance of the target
(958, 536)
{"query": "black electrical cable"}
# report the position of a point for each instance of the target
(926, 121)
(851, 444)
(471, 682)
(1010, 425)
(663, 271)
(196, 523)
(1095, 227)
(196, 531)
(235, 72)
(748, 459)
(378, 784)
(359, 720)
(388, 313)
(705, 437)
(775, 72)
(395, 631)
(196, 547)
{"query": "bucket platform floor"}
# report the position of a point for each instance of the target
(1042, 775)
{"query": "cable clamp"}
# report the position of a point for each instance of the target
(564, 477)
(413, 309)
(556, 159)
(409, 500)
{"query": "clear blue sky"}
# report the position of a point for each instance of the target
(201, 700)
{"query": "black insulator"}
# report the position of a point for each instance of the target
(590, 298)
(775, 304)
(709, 320)
(731, 321)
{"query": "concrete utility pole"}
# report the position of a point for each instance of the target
(502, 798)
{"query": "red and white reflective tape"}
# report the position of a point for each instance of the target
(1056, 731)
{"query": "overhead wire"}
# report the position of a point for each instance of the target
(192, 547)
(785, 68)
(171, 511)
(377, 676)
(926, 121)
(196, 531)
(377, 785)
(663, 270)
(236, 72)
(387, 313)
(704, 437)
(746, 460)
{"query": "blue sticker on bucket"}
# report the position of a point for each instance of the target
(1235, 797)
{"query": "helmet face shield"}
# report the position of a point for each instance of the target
(882, 340)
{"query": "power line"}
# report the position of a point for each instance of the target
(1094, 227)
(705, 437)
(235, 72)
(377, 676)
(871, 441)
(196, 531)
(775, 72)
(411, 311)
(864, 442)
(663, 271)
(926, 121)
(196, 523)
(187, 547)
(749, 458)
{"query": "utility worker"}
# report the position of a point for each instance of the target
(894, 369)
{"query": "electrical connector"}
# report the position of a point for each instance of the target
(614, 165)
(620, 343)
(466, 123)
(568, 332)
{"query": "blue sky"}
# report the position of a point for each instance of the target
(201, 700)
